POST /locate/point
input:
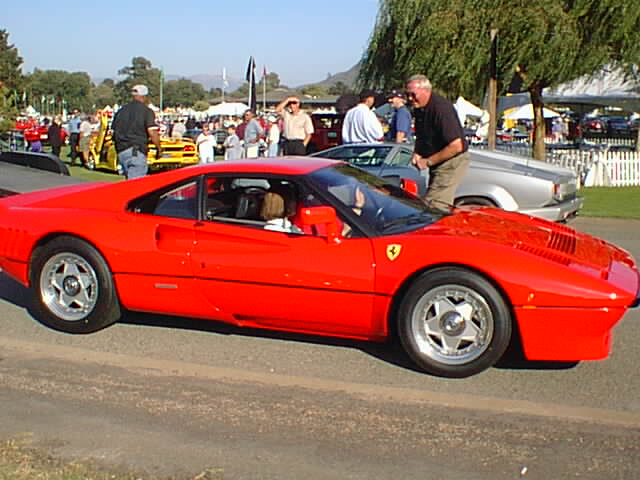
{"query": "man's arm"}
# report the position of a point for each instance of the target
(308, 130)
(400, 137)
(154, 135)
(454, 148)
(281, 106)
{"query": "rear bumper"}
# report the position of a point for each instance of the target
(567, 334)
(557, 213)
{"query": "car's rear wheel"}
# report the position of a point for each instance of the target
(475, 201)
(73, 287)
(454, 323)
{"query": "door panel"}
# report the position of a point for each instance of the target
(296, 282)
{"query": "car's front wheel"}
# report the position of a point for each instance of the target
(73, 287)
(452, 322)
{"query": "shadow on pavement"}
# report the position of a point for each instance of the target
(390, 351)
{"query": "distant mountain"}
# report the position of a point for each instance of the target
(349, 78)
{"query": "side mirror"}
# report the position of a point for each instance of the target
(325, 216)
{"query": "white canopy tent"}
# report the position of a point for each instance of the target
(467, 109)
(227, 108)
(525, 112)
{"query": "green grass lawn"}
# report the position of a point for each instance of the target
(616, 202)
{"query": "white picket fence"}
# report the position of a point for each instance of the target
(605, 168)
(597, 166)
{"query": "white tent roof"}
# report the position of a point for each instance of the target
(525, 112)
(228, 108)
(465, 108)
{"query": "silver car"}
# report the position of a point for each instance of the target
(493, 179)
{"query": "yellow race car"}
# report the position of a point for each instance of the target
(175, 153)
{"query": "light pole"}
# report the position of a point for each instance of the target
(161, 93)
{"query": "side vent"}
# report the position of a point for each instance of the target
(562, 242)
(544, 253)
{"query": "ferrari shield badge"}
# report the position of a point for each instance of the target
(393, 251)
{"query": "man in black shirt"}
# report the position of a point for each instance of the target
(133, 126)
(440, 143)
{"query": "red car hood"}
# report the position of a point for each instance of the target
(548, 240)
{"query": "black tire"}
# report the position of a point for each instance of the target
(454, 323)
(72, 286)
(475, 201)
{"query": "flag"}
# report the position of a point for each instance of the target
(251, 78)
(225, 83)
(264, 71)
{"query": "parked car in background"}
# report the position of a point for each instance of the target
(493, 179)
(618, 126)
(176, 153)
(593, 125)
(327, 131)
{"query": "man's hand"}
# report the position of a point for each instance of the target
(419, 162)
(158, 153)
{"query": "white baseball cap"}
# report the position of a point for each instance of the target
(139, 90)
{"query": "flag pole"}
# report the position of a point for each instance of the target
(264, 90)
(224, 80)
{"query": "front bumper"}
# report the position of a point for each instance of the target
(559, 212)
(567, 334)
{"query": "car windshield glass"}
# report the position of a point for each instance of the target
(359, 155)
(387, 208)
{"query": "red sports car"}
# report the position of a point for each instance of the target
(317, 246)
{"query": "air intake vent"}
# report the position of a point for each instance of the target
(562, 242)
(545, 253)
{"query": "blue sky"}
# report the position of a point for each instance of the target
(300, 40)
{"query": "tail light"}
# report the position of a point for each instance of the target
(409, 185)
(557, 192)
(189, 148)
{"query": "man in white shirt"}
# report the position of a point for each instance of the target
(361, 125)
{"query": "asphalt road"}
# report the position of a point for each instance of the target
(173, 396)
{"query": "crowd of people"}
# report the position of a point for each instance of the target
(440, 144)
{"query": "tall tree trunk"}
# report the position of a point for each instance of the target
(539, 129)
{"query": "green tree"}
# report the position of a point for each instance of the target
(8, 110)
(314, 90)
(200, 106)
(272, 80)
(546, 43)
(104, 94)
(49, 88)
(183, 92)
(10, 64)
(339, 88)
(141, 71)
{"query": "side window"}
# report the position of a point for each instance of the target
(267, 203)
(178, 201)
(181, 202)
(401, 158)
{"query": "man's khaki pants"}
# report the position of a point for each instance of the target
(445, 178)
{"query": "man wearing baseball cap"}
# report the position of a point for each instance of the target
(133, 126)
(400, 125)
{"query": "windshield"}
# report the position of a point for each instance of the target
(385, 207)
(358, 155)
